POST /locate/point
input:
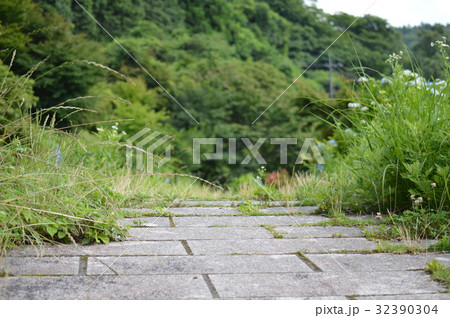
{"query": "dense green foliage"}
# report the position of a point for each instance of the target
(224, 61)
(72, 92)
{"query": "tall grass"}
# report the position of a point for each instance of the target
(398, 142)
(47, 191)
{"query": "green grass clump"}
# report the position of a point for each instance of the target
(396, 140)
(55, 185)
(439, 272)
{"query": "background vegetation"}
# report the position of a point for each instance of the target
(70, 96)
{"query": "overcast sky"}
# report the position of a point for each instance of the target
(396, 12)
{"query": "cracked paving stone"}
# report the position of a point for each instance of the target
(17, 266)
(105, 287)
(197, 264)
(322, 284)
(320, 231)
(287, 210)
(278, 246)
(246, 220)
(113, 248)
(375, 262)
(203, 211)
(197, 233)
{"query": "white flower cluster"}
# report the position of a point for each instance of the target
(394, 57)
(354, 105)
(440, 43)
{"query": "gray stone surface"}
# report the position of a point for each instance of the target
(198, 233)
(146, 221)
(412, 243)
(291, 209)
(40, 266)
(222, 254)
(320, 231)
(114, 248)
(246, 220)
(232, 203)
(375, 262)
(322, 284)
(436, 296)
(278, 246)
(196, 264)
(105, 287)
(207, 203)
(203, 211)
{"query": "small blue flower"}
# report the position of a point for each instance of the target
(333, 142)
(58, 155)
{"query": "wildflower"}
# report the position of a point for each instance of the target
(420, 199)
(333, 142)
(378, 217)
(114, 127)
(363, 122)
(407, 73)
(364, 108)
(58, 155)
(434, 92)
(353, 105)
(433, 185)
(412, 197)
(362, 79)
(99, 129)
(124, 133)
(384, 80)
(417, 202)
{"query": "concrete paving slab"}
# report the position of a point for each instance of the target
(233, 202)
(278, 246)
(146, 221)
(129, 265)
(208, 202)
(204, 211)
(246, 220)
(437, 296)
(375, 262)
(105, 287)
(322, 284)
(290, 209)
(320, 231)
(198, 233)
(18, 266)
(113, 248)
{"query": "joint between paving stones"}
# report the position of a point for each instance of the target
(171, 222)
(211, 286)
(187, 247)
(82, 268)
(308, 262)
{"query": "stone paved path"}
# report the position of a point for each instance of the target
(209, 250)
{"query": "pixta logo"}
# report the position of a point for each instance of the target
(141, 150)
(308, 147)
